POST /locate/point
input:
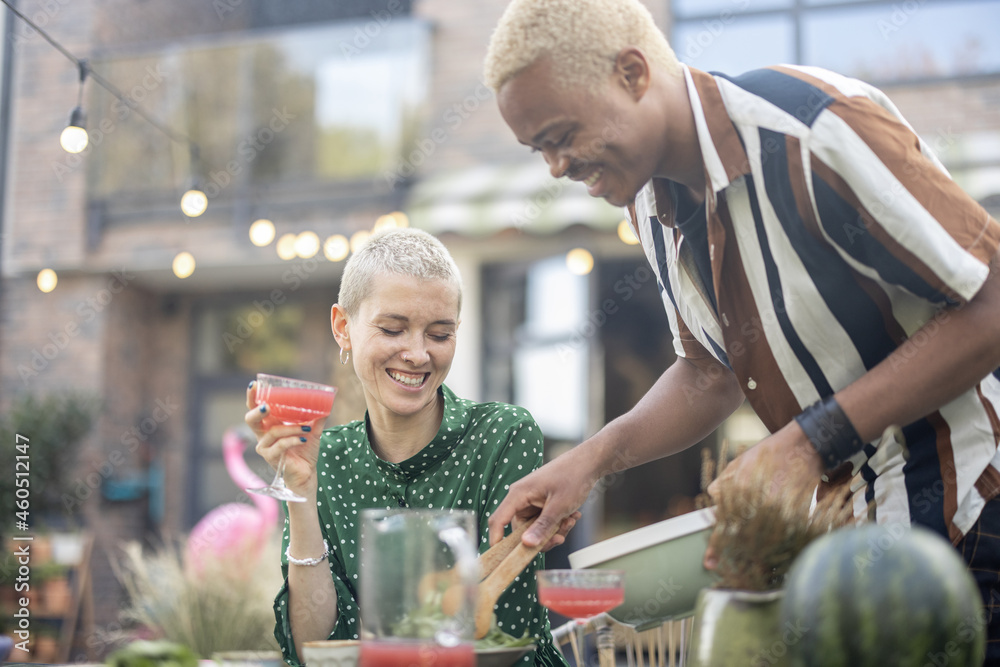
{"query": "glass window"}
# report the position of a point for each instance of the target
(298, 106)
(687, 8)
(550, 364)
(735, 45)
(905, 41)
(245, 338)
(878, 41)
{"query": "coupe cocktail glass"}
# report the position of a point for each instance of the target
(290, 402)
(580, 594)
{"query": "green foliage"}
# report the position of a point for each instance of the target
(224, 608)
(51, 429)
(145, 653)
(761, 527)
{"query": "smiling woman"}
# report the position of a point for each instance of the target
(419, 445)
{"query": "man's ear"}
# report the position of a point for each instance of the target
(632, 71)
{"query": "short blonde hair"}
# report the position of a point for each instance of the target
(581, 37)
(404, 252)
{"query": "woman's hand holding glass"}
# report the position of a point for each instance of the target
(298, 444)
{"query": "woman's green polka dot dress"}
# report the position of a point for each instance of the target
(479, 451)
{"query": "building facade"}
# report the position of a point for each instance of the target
(324, 118)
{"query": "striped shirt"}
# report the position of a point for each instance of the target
(833, 235)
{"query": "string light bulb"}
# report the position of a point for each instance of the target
(286, 246)
(359, 239)
(384, 222)
(47, 280)
(626, 233)
(194, 202)
(74, 137)
(336, 247)
(261, 232)
(183, 265)
(306, 245)
(402, 220)
(579, 261)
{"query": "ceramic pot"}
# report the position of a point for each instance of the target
(735, 627)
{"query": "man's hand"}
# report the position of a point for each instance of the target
(554, 493)
(791, 461)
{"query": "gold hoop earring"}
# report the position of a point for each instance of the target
(345, 356)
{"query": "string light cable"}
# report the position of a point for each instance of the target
(77, 117)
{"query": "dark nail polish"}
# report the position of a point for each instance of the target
(303, 439)
(250, 386)
(307, 428)
(263, 408)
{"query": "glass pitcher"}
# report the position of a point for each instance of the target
(411, 560)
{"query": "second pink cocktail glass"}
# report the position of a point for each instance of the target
(580, 594)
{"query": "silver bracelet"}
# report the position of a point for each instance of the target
(308, 561)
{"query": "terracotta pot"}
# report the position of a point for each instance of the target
(57, 595)
(46, 649)
(734, 627)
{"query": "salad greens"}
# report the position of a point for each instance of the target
(425, 620)
(155, 653)
(497, 638)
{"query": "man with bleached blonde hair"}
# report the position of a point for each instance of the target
(528, 31)
(813, 257)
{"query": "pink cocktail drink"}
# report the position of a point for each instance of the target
(296, 405)
(289, 401)
(580, 602)
(393, 653)
(580, 594)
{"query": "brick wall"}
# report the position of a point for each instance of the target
(44, 221)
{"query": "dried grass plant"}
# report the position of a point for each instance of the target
(223, 608)
(761, 526)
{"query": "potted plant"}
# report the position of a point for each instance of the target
(216, 608)
(760, 528)
(52, 580)
(47, 431)
(46, 644)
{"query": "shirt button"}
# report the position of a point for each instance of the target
(751, 384)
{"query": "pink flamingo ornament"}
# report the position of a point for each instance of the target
(234, 535)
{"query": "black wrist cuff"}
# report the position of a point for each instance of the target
(830, 432)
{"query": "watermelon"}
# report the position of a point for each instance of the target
(882, 596)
